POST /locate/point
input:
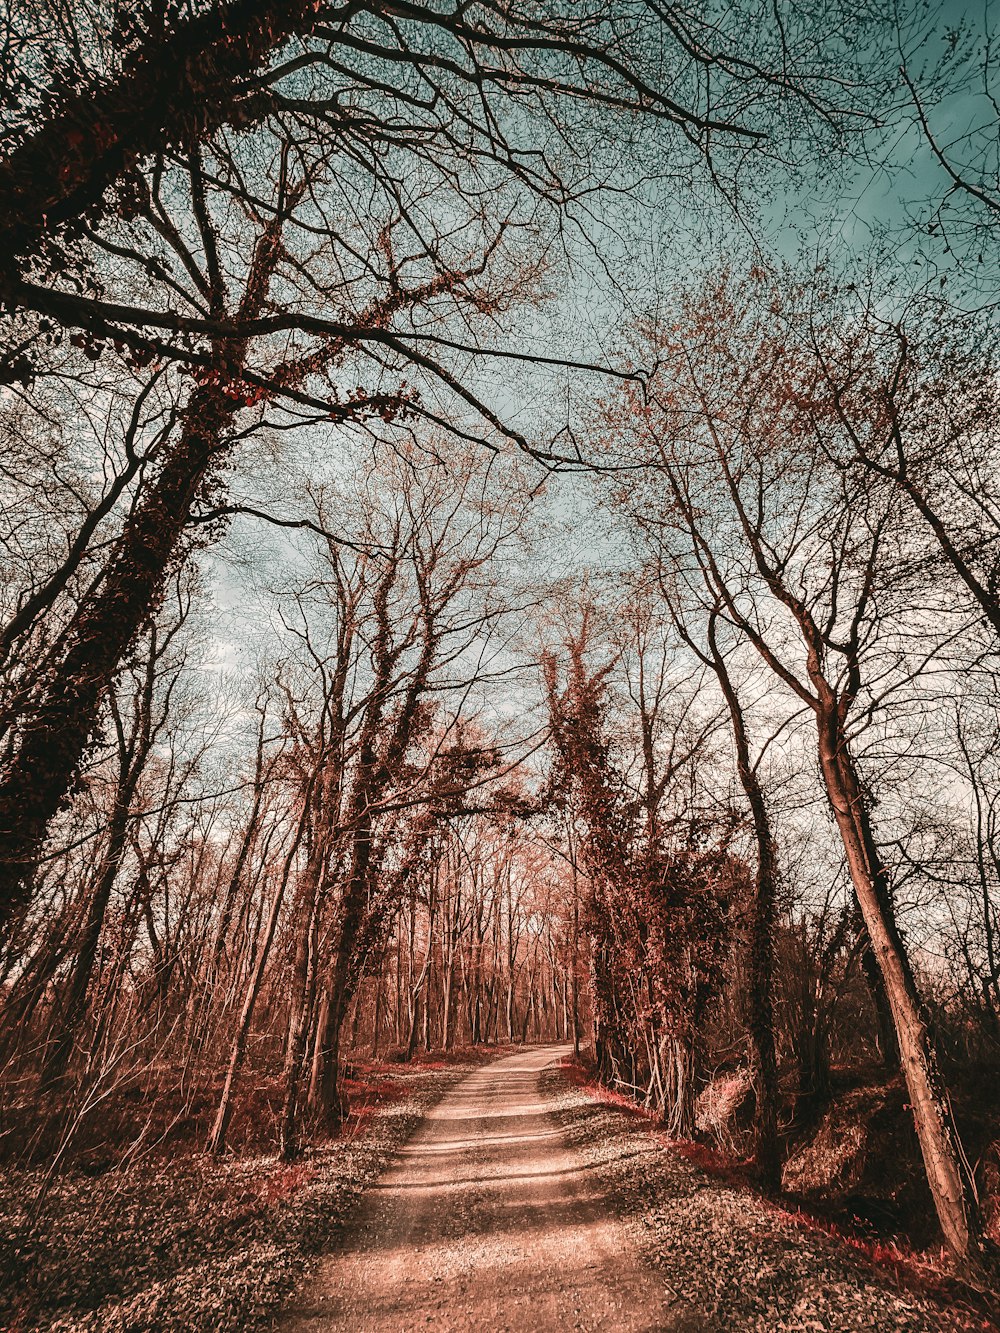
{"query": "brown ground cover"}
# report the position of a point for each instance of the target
(170, 1239)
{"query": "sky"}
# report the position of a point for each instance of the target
(644, 240)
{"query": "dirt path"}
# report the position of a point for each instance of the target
(489, 1220)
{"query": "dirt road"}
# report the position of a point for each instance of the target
(489, 1220)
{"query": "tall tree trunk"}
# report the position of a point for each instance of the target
(418, 1000)
(219, 945)
(575, 975)
(762, 923)
(677, 1066)
(74, 1000)
(303, 985)
(377, 1016)
(948, 1172)
(37, 778)
(174, 86)
(885, 1025)
(350, 913)
(133, 752)
(217, 1138)
(39, 775)
(812, 1056)
(314, 1097)
(447, 983)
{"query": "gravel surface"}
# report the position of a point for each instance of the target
(730, 1261)
(191, 1245)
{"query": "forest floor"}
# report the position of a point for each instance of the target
(524, 1202)
(519, 1198)
(188, 1243)
(731, 1260)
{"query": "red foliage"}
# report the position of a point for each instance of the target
(283, 1183)
(926, 1272)
(238, 391)
(733, 1170)
(367, 1091)
(584, 1078)
(461, 1055)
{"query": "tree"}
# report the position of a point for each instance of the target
(795, 552)
(126, 88)
(706, 643)
(150, 708)
(663, 889)
(435, 166)
(57, 722)
(914, 400)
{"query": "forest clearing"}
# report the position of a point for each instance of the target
(499, 662)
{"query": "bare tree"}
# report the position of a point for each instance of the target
(795, 552)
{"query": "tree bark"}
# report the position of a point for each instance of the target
(45, 758)
(177, 86)
(762, 922)
(38, 778)
(217, 1138)
(303, 985)
(948, 1173)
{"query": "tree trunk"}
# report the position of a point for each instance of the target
(885, 1026)
(74, 1002)
(948, 1173)
(812, 1057)
(677, 1064)
(54, 736)
(377, 1016)
(762, 923)
(178, 86)
(334, 1103)
(217, 1138)
(303, 984)
(446, 989)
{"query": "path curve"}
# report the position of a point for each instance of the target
(490, 1219)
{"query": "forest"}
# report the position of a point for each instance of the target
(500, 544)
